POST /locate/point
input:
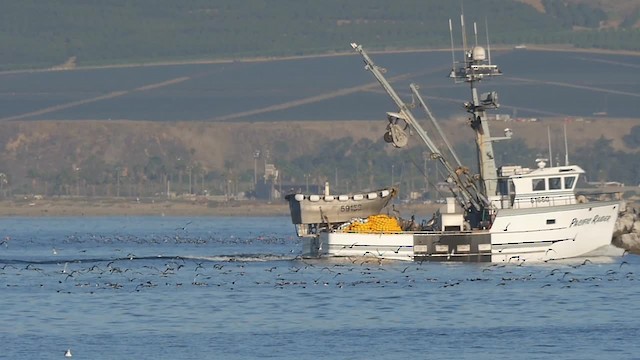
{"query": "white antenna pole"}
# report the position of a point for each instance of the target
(486, 27)
(475, 32)
(464, 35)
(549, 140)
(453, 57)
(566, 147)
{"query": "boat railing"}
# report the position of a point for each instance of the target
(542, 201)
(547, 201)
(598, 196)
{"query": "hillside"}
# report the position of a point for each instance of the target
(64, 34)
(88, 158)
(620, 13)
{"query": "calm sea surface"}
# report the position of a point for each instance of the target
(235, 288)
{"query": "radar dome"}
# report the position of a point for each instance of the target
(478, 53)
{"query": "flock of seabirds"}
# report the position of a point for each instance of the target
(135, 274)
(142, 273)
(124, 274)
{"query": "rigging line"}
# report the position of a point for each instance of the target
(406, 114)
(431, 184)
(434, 122)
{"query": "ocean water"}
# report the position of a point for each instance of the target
(236, 288)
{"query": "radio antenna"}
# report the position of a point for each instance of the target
(464, 35)
(566, 147)
(475, 32)
(453, 56)
(549, 141)
(486, 28)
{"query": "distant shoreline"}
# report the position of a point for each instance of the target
(129, 207)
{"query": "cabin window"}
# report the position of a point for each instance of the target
(569, 181)
(538, 184)
(503, 186)
(555, 183)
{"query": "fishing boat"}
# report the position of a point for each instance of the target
(314, 213)
(505, 214)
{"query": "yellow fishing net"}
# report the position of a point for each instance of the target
(375, 224)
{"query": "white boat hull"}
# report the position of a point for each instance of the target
(541, 235)
(387, 246)
(532, 235)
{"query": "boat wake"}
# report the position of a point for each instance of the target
(213, 258)
(243, 258)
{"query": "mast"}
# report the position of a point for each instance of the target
(466, 189)
(475, 68)
(549, 142)
(461, 170)
(566, 147)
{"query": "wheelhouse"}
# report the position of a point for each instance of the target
(525, 188)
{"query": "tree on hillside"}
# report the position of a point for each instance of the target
(155, 169)
(632, 139)
(630, 19)
(514, 151)
(48, 33)
(597, 159)
(571, 15)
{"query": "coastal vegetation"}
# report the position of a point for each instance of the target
(145, 159)
(43, 34)
(138, 159)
